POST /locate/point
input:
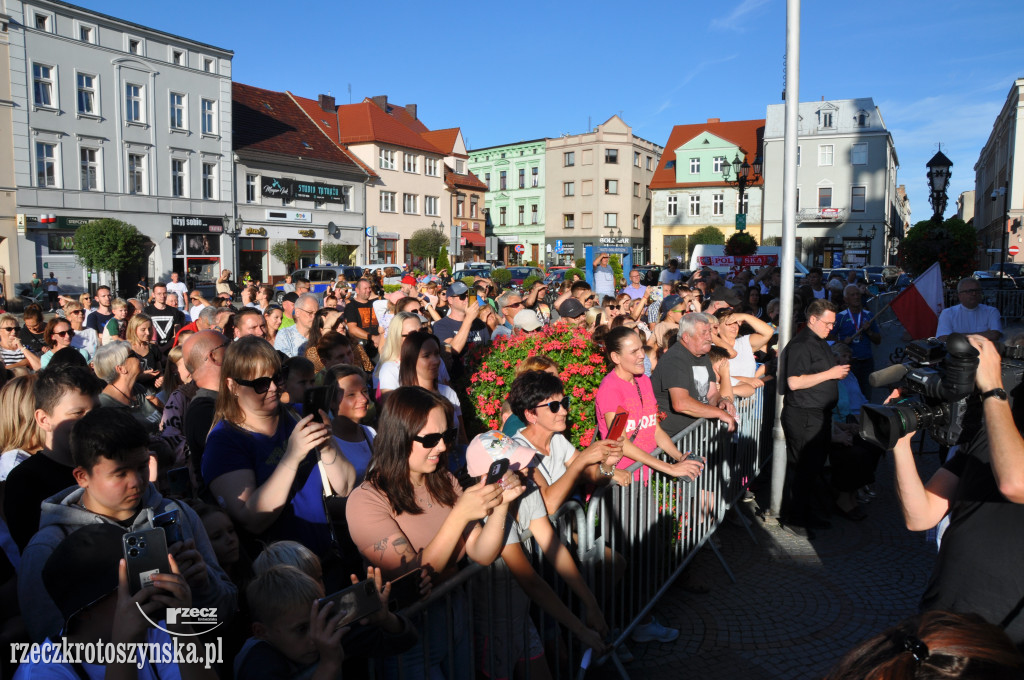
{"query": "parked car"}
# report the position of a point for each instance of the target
(319, 278)
(1011, 268)
(474, 272)
(392, 273)
(520, 274)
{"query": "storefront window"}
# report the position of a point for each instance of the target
(198, 256)
(252, 258)
(309, 252)
(387, 250)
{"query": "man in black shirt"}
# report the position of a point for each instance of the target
(981, 488)
(684, 380)
(204, 354)
(167, 320)
(361, 321)
(809, 378)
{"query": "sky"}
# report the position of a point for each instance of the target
(939, 71)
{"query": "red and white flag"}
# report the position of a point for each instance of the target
(919, 306)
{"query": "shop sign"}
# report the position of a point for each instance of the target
(277, 188)
(608, 241)
(53, 221)
(190, 224)
(289, 216)
(308, 233)
(255, 231)
(60, 243)
(280, 187)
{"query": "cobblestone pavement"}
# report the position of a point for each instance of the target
(797, 605)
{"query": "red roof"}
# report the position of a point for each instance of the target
(467, 181)
(402, 115)
(268, 121)
(746, 134)
(443, 139)
(364, 123)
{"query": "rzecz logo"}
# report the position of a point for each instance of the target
(202, 617)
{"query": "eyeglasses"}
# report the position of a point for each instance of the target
(210, 357)
(555, 406)
(64, 333)
(13, 329)
(78, 311)
(514, 304)
(612, 306)
(463, 296)
(414, 311)
(262, 385)
(828, 324)
(971, 290)
(592, 297)
(434, 438)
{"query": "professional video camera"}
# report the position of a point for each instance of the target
(939, 378)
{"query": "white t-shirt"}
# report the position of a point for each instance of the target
(181, 289)
(959, 319)
(554, 465)
(387, 376)
(604, 280)
(667, 276)
(194, 311)
(743, 364)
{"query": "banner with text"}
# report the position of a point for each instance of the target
(738, 261)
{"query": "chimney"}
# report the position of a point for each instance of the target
(411, 108)
(714, 120)
(326, 103)
(381, 101)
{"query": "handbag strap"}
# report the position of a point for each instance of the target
(328, 489)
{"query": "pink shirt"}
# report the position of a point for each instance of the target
(638, 399)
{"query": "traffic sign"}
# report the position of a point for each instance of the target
(741, 221)
(1013, 250)
(520, 248)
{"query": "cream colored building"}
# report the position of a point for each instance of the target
(598, 192)
(9, 270)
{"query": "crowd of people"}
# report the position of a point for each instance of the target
(303, 445)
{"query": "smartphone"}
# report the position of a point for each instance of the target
(497, 471)
(314, 400)
(171, 524)
(179, 482)
(145, 553)
(405, 591)
(355, 602)
(618, 424)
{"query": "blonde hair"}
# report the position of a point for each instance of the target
(536, 363)
(118, 303)
(289, 553)
(72, 306)
(246, 358)
(133, 326)
(392, 349)
(108, 358)
(279, 590)
(18, 428)
(594, 314)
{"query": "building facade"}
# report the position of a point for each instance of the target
(597, 192)
(467, 198)
(514, 177)
(998, 195)
(292, 183)
(113, 119)
(848, 211)
(688, 189)
(10, 267)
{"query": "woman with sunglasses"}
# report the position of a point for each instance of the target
(746, 374)
(538, 399)
(84, 338)
(261, 462)
(411, 513)
(58, 334)
(118, 366)
(420, 364)
(17, 358)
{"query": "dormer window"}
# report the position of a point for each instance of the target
(861, 119)
(135, 46)
(826, 119)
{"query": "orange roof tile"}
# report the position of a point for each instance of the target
(442, 139)
(402, 115)
(746, 134)
(467, 181)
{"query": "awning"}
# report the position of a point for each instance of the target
(474, 239)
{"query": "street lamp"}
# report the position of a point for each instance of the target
(1005, 236)
(745, 175)
(232, 229)
(938, 181)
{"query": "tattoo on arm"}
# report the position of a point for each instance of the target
(381, 545)
(402, 547)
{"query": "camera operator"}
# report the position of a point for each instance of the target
(982, 489)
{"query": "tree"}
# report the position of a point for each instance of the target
(110, 245)
(741, 243)
(953, 244)
(336, 253)
(286, 252)
(427, 243)
(709, 236)
(442, 260)
(501, 276)
(615, 262)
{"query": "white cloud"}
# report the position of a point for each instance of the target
(731, 21)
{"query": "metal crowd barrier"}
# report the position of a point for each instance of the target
(652, 529)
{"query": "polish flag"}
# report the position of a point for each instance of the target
(918, 307)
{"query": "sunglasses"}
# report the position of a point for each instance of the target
(64, 333)
(515, 304)
(592, 297)
(434, 438)
(262, 385)
(612, 306)
(13, 329)
(555, 406)
(463, 296)
(78, 311)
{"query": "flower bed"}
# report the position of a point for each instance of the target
(490, 370)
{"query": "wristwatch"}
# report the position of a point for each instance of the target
(999, 393)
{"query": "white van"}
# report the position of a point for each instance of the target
(715, 257)
(392, 273)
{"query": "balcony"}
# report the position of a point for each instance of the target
(828, 215)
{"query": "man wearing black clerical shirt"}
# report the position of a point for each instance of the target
(809, 377)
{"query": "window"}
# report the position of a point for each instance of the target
(611, 219)
(742, 206)
(86, 94)
(694, 166)
(410, 162)
(42, 22)
(460, 207)
(636, 221)
(178, 178)
(718, 204)
(798, 155)
(487, 180)
(177, 111)
(85, 33)
(387, 201)
(46, 164)
(672, 208)
(133, 109)
(502, 217)
(611, 155)
(503, 180)
(649, 163)
(409, 204)
(694, 205)
(569, 221)
(430, 205)
(136, 173)
(569, 159)
(522, 178)
(178, 57)
(716, 164)
(569, 189)
(798, 199)
(208, 65)
(611, 186)
(522, 214)
(588, 157)
(43, 77)
(209, 116)
(587, 220)
(535, 176)
(861, 119)
(824, 197)
(473, 207)
(825, 154)
(90, 169)
(460, 168)
(826, 119)
(252, 183)
(430, 167)
(859, 154)
(135, 46)
(636, 189)
(636, 158)
(858, 199)
(387, 159)
(534, 213)
(587, 186)
(210, 181)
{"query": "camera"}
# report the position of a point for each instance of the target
(937, 382)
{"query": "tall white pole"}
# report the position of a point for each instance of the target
(788, 236)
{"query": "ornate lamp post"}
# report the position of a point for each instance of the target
(741, 175)
(938, 181)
